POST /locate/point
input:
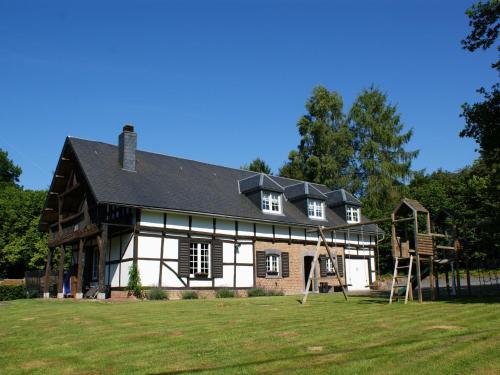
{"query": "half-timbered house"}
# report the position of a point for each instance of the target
(192, 225)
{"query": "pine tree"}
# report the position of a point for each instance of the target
(257, 165)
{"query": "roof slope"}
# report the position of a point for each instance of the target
(166, 182)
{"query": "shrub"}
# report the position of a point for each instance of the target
(189, 294)
(225, 293)
(157, 294)
(134, 281)
(10, 292)
(256, 292)
(260, 292)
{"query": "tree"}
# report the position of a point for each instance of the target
(325, 152)
(257, 165)
(134, 285)
(383, 165)
(9, 172)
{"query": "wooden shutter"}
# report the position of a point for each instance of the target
(285, 266)
(340, 265)
(183, 257)
(217, 268)
(322, 266)
(261, 263)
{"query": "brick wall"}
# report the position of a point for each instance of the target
(294, 284)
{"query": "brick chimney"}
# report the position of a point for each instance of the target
(127, 144)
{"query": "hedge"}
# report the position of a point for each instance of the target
(10, 292)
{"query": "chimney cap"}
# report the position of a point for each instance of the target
(128, 128)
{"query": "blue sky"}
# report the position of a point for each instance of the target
(226, 81)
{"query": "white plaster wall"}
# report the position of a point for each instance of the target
(264, 230)
(244, 276)
(171, 248)
(152, 218)
(114, 275)
(281, 231)
(124, 272)
(228, 279)
(244, 253)
(128, 241)
(149, 247)
(245, 228)
(225, 227)
(202, 224)
(114, 248)
(149, 271)
(177, 221)
(227, 252)
(312, 236)
(200, 283)
(168, 278)
(297, 233)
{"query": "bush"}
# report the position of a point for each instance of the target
(134, 281)
(256, 292)
(10, 292)
(157, 294)
(225, 293)
(189, 294)
(260, 292)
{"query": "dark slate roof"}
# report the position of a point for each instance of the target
(303, 190)
(259, 181)
(171, 183)
(340, 197)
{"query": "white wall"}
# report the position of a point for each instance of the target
(149, 271)
(149, 247)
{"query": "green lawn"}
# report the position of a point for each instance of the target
(259, 335)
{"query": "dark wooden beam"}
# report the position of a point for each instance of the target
(81, 266)
(102, 240)
(60, 278)
(48, 269)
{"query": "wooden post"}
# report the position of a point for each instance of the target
(48, 269)
(311, 272)
(419, 277)
(431, 278)
(334, 264)
(437, 281)
(102, 240)
(60, 278)
(447, 282)
(81, 266)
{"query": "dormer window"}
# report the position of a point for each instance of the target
(353, 214)
(315, 209)
(271, 202)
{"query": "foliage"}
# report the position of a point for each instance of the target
(157, 294)
(325, 152)
(382, 163)
(225, 293)
(11, 292)
(22, 246)
(189, 294)
(134, 281)
(257, 165)
(9, 172)
(260, 292)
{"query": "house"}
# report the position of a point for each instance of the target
(193, 225)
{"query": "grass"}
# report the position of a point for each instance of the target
(250, 335)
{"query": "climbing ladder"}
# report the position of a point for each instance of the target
(401, 281)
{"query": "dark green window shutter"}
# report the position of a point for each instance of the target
(217, 268)
(285, 265)
(183, 257)
(322, 266)
(340, 265)
(261, 263)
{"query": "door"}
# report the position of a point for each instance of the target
(307, 268)
(357, 274)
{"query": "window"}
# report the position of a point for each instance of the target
(329, 266)
(199, 260)
(271, 202)
(315, 209)
(353, 215)
(272, 265)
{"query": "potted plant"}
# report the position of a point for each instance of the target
(272, 273)
(201, 275)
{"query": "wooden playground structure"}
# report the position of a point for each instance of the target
(414, 247)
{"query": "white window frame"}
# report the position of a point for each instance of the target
(268, 200)
(329, 266)
(198, 265)
(273, 265)
(315, 209)
(353, 214)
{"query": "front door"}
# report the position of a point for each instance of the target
(307, 269)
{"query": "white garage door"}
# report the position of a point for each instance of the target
(357, 274)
